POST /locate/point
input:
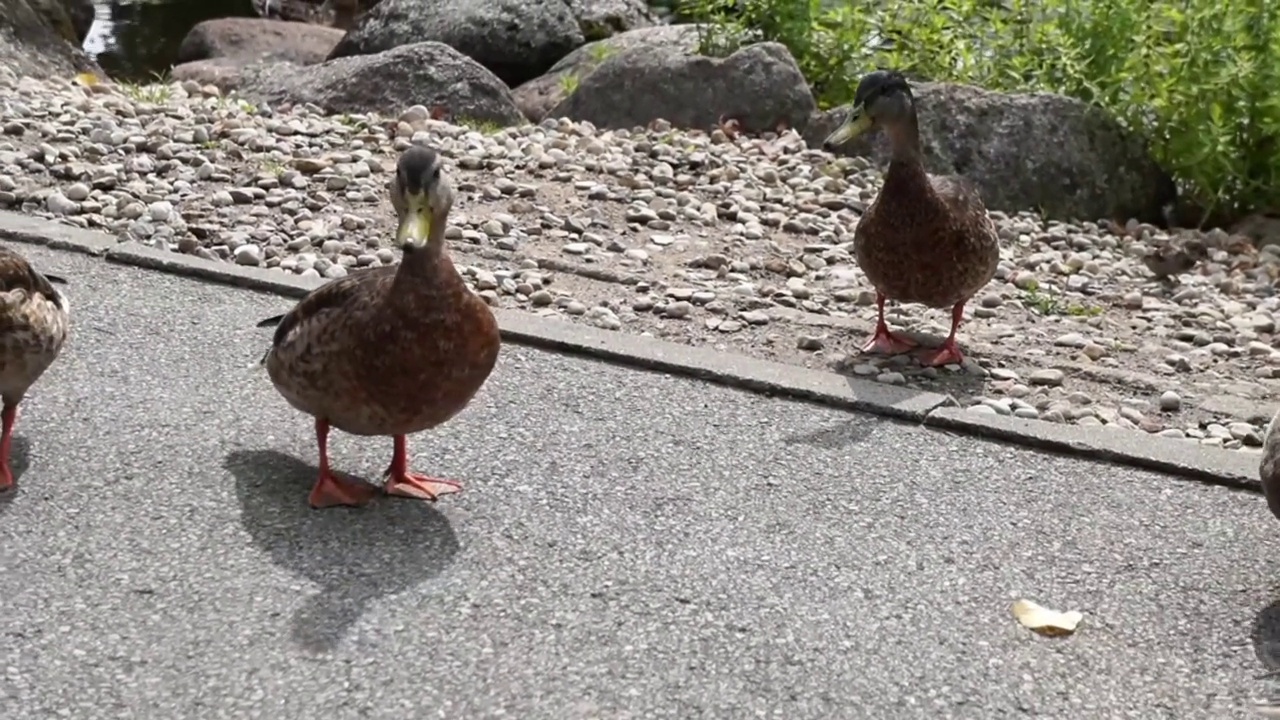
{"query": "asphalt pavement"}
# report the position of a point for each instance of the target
(629, 545)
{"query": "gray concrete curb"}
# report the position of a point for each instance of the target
(1221, 467)
(24, 228)
(1178, 457)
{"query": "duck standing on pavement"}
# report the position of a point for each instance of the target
(926, 238)
(391, 350)
(34, 321)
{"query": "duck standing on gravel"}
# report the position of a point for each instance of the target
(34, 321)
(924, 239)
(390, 350)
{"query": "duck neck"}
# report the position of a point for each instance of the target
(904, 140)
(906, 161)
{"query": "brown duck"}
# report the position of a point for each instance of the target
(391, 350)
(34, 321)
(925, 239)
(1171, 259)
(1269, 467)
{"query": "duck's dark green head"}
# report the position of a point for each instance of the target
(882, 97)
(421, 196)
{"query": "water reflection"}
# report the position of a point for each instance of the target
(138, 39)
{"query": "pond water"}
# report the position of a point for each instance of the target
(138, 40)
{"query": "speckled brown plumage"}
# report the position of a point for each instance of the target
(1269, 466)
(924, 239)
(34, 322)
(386, 351)
(1173, 258)
(389, 350)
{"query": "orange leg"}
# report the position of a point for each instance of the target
(9, 417)
(883, 341)
(330, 489)
(415, 485)
(949, 353)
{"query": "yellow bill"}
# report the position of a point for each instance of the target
(416, 223)
(855, 123)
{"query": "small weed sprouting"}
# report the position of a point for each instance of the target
(1045, 303)
(569, 83)
(601, 51)
(272, 167)
(484, 127)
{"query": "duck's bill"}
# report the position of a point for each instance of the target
(855, 123)
(416, 224)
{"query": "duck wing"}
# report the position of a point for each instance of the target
(16, 273)
(335, 296)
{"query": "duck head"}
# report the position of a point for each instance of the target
(422, 197)
(883, 98)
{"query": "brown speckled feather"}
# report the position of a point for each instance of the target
(34, 321)
(927, 240)
(386, 351)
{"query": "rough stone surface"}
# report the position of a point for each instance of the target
(1035, 151)
(758, 86)
(514, 39)
(430, 74)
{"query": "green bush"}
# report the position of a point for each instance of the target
(1200, 80)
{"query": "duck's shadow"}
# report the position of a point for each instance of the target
(833, 437)
(355, 555)
(19, 461)
(1266, 637)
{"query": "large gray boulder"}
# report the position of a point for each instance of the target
(256, 39)
(516, 40)
(759, 86)
(430, 74)
(41, 38)
(215, 52)
(1035, 151)
(542, 94)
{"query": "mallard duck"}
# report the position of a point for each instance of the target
(1171, 259)
(1269, 468)
(34, 321)
(925, 239)
(390, 350)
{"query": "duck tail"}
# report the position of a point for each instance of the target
(260, 363)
